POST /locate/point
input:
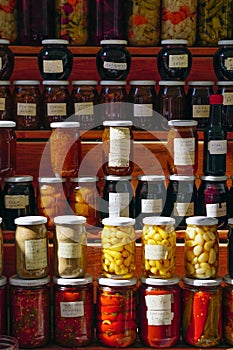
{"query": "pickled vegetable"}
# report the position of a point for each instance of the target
(8, 24)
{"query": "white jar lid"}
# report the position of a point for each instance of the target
(55, 41)
(201, 220)
(160, 281)
(30, 220)
(7, 124)
(158, 220)
(174, 41)
(52, 180)
(117, 178)
(225, 42)
(214, 178)
(156, 178)
(55, 82)
(182, 123)
(224, 82)
(182, 177)
(5, 82)
(113, 41)
(3, 280)
(201, 83)
(83, 179)
(23, 178)
(26, 82)
(65, 125)
(113, 82)
(142, 82)
(117, 123)
(16, 281)
(0, 220)
(84, 82)
(213, 282)
(171, 83)
(61, 281)
(4, 41)
(69, 220)
(111, 282)
(118, 221)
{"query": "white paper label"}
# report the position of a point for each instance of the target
(228, 62)
(115, 65)
(156, 251)
(119, 147)
(72, 309)
(26, 109)
(16, 201)
(216, 210)
(119, 204)
(184, 209)
(142, 110)
(52, 66)
(2, 104)
(217, 146)
(178, 61)
(159, 309)
(228, 98)
(84, 108)
(0, 62)
(151, 205)
(69, 250)
(36, 254)
(184, 151)
(54, 109)
(201, 111)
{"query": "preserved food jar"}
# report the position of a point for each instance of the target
(142, 96)
(3, 306)
(7, 59)
(227, 309)
(1, 257)
(213, 197)
(84, 97)
(8, 342)
(230, 247)
(174, 60)
(225, 88)
(65, 148)
(223, 60)
(27, 104)
(55, 60)
(150, 197)
(70, 246)
(72, 21)
(5, 100)
(8, 148)
(30, 311)
(125, 239)
(117, 148)
(201, 247)
(179, 20)
(18, 199)
(198, 101)
(202, 312)
(73, 311)
(159, 318)
(116, 328)
(8, 21)
(158, 247)
(182, 144)
(84, 199)
(31, 247)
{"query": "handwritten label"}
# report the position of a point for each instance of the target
(54, 109)
(52, 66)
(201, 111)
(184, 209)
(84, 108)
(16, 201)
(143, 110)
(228, 98)
(72, 309)
(36, 254)
(228, 62)
(159, 309)
(69, 250)
(217, 146)
(26, 109)
(115, 65)
(2, 104)
(119, 147)
(216, 210)
(156, 251)
(151, 205)
(118, 204)
(178, 61)
(184, 151)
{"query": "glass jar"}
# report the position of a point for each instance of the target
(18, 199)
(227, 310)
(1, 256)
(230, 247)
(201, 247)
(31, 247)
(158, 247)
(117, 146)
(27, 104)
(8, 148)
(225, 88)
(7, 59)
(73, 311)
(118, 264)
(179, 20)
(8, 342)
(223, 60)
(213, 197)
(84, 97)
(150, 197)
(202, 312)
(70, 246)
(30, 311)
(182, 144)
(142, 96)
(65, 148)
(174, 60)
(84, 199)
(55, 60)
(159, 318)
(72, 21)
(5, 100)
(55, 101)
(3, 306)
(8, 21)
(116, 311)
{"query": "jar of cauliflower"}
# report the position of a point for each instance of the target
(201, 248)
(158, 247)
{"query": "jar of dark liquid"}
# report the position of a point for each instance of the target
(8, 148)
(225, 88)
(5, 100)
(7, 60)
(223, 60)
(230, 247)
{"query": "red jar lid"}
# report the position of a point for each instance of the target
(216, 99)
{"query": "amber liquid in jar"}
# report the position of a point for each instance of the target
(8, 148)
(5, 100)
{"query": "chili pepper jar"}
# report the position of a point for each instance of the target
(3, 305)
(31, 247)
(30, 317)
(201, 247)
(118, 264)
(223, 60)
(225, 88)
(55, 60)
(227, 311)
(230, 247)
(73, 311)
(5, 100)
(159, 317)
(7, 59)
(8, 148)
(116, 311)
(202, 311)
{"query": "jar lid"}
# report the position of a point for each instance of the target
(227, 279)
(52, 180)
(111, 282)
(7, 124)
(160, 281)
(64, 125)
(30, 220)
(182, 177)
(55, 82)
(142, 82)
(225, 42)
(73, 281)
(5, 82)
(201, 83)
(117, 178)
(174, 41)
(201, 220)
(230, 221)
(26, 82)
(113, 82)
(16, 281)
(182, 123)
(153, 178)
(117, 123)
(214, 178)
(171, 83)
(113, 42)
(84, 82)
(3, 281)
(224, 83)
(0, 220)
(55, 41)
(158, 220)
(69, 220)
(22, 178)
(84, 179)
(4, 41)
(118, 221)
(214, 282)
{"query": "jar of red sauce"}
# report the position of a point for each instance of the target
(3, 305)
(227, 302)
(159, 315)
(8, 148)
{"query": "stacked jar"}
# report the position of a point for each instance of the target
(3, 288)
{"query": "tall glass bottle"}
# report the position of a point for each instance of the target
(215, 140)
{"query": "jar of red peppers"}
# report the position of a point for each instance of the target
(116, 311)
(159, 317)
(8, 148)
(73, 311)
(3, 305)
(5, 100)
(202, 312)
(227, 302)
(30, 311)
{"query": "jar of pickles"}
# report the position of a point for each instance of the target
(227, 309)
(201, 248)
(116, 311)
(225, 88)
(7, 59)
(223, 60)
(3, 306)
(118, 247)
(8, 20)
(8, 148)
(5, 100)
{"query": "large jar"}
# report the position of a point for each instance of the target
(225, 88)
(223, 60)
(8, 21)
(230, 247)
(5, 100)
(227, 311)
(1, 257)
(3, 306)
(7, 58)
(8, 148)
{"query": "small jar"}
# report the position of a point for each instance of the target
(111, 255)
(18, 199)
(113, 60)
(174, 60)
(201, 247)
(158, 247)
(5, 100)
(73, 311)
(117, 146)
(7, 59)
(150, 197)
(55, 101)
(30, 311)
(227, 311)
(223, 60)
(70, 246)
(182, 144)
(55, 60)
(31, 247)
(84, 97)
(159, 318)
(213, 197)
(230, 248)
(65, 148)
(142, 98)
(3, 305)
(225, 88)
(1, 256)
(202, 312)
(27, 104)
(8, 148)
(116, 311)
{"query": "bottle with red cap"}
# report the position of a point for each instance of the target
(215, 139)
